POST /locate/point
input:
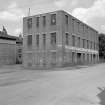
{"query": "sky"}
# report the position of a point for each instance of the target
(92, 12)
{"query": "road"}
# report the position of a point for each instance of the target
(63, 86)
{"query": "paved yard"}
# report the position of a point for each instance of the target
(64, 86)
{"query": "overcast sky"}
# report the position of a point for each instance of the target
(12, 12)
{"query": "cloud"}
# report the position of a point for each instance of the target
(60, 3)
(17, 31)
(103, 27)
(12, 13)
(93, 15)
(86, 14)
(65, 3)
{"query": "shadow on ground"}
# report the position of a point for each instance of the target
(101, 96)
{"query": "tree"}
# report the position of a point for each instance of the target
(102, 45)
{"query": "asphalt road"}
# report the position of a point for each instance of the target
(81, 85)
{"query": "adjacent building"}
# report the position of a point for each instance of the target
(7, 48)
(58, 39)
(19, 48)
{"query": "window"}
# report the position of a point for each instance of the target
(94, 45)
(78, 41)
(66, 19)
(91, 45)
(29, 40)
(44, 40)
(83, 28)
(73, 40)
(83, 43)
(37, 40)
(72, 25)
(53, 58)
(29, 23)
(53, 38)
(67, 39)
(19, 50)
(37, 21)
(78, 26)
(73, 57)
(97, 46)
(20, 56)
(44, 20)
(91, 57)
(53, 19)
(84, 58)
(87, 44)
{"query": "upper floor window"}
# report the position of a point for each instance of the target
(91, 45)
(83, 43)
(83, 28)
(73, 40)
(97, 46)
(73, 20)
(78, 41)
(37, 40)
(94, 45)
(29, 40)
(66, 19)
(44, 40)
(87, 44)
(53, 38)
(37, 21)
(67, 39)
(29, 23)
(78, 26)
(44, 20)
(53, 19)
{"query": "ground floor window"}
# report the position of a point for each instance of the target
(78, 57)
(73, 57)
(84, 58)
(53, 58)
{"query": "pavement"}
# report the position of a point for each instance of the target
(80, 85)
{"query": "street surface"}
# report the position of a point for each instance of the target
(83, 85)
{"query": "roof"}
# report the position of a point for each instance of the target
(8, 37)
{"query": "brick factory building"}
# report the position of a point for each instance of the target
(58, 39)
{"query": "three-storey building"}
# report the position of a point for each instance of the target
(57, 39)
